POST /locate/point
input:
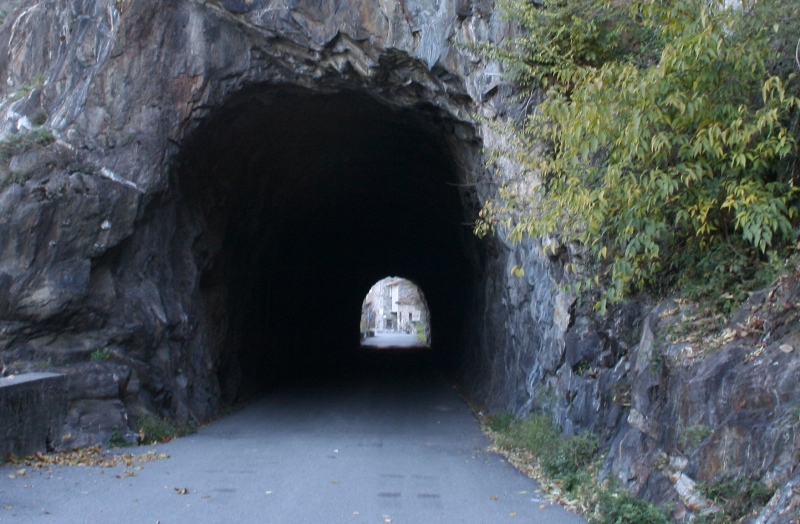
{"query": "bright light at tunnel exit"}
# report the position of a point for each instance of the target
(394, 314)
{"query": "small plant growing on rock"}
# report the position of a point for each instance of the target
(154, 430)
(24, 141)
(692, 436)
(620, 507)
(100, 355)
(738, 497)
(116, 440)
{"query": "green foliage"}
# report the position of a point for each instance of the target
(564, 459)
(620, 507)
(116, 440)
(569, 461)
(667, 135)
(422, 335)
(692, 436)
(500, 422)
(738, 497)
(24, 141)
(100, 355)
(153, 430)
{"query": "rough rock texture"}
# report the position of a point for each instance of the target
(156, 160)
(100, 254)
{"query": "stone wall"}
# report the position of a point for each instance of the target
(33, 407)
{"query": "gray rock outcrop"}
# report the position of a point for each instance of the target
(154, 154)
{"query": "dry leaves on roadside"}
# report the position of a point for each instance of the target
(91, 456)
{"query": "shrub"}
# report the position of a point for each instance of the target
(17, 143)
(738, 497)
(500, 422)
(667, 134)
(154, 430)
(564, 459)
(620, 507)
(116, 440)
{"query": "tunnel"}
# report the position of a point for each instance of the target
(297, 202)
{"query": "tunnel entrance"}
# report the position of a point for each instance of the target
(296, 202)
(395, 314)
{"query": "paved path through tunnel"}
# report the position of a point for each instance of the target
(372, 451)
(396, 340)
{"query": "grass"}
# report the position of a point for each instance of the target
(737, 496)
(620, 507)
(155, 430)
(567, 469)
(116, 440)
(24, 141)
(18, 143)
(691, 437)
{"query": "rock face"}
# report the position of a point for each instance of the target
(130, 132)
(190, 190)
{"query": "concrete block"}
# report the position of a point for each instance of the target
(33, 408)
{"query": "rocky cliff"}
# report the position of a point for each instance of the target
(129, 131)
(186, 186)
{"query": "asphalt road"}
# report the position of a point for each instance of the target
(398, 340)
(375, 450)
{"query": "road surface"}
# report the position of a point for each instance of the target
(398, 340)
(375, 450)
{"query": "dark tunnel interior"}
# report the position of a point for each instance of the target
(302, 201)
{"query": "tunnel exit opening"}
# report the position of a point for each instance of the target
(297, 201)
(395, 314)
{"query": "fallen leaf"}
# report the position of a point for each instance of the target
(523, 492)
(493, 497)
(20, 472)
(512, 514)
(542, 506)
(786, 348)
(12, 477)
(182, 491)
(8, 508)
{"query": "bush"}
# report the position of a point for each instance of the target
(564, 459)
(623, 508)
(500, 422)
(153, 430)
(116, 440)
(668, 132)
(24, 141)
(738, 497)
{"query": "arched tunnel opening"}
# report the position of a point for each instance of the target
(298, 202)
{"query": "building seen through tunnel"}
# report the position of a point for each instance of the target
(395, 305)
